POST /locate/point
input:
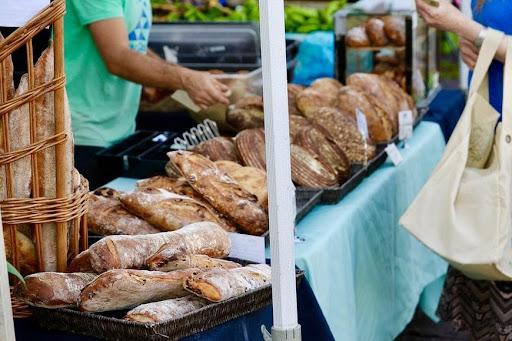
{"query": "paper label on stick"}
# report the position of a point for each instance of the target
(394, 154)
(405, 122)
(361, 123)
(247, 247)
(16, 13)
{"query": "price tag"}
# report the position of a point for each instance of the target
(362, 126)
(394, 154)
(246, 247)
(405, 122)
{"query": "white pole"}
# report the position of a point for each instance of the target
(6, 321)
(280, 186)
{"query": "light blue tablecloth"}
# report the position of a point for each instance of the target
(367, 272)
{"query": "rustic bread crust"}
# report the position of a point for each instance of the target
(307, 171)
(219, 148)
(251, 146)
(165, 310)
(9, 86)
(309, 100)
(26, 251)
(227, 166)
(296, 124)
(357, 37)
(81, 263)
(293, 90)
(327, 86)
(375, 31)
(254, 181)
(184, 259)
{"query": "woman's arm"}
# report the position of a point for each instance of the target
(447, 17)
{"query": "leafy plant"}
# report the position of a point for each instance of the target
(12, 270)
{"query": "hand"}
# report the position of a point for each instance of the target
(446, 17)
(468, 52)
(203, 89)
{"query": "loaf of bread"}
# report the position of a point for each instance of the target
(345, 133)
(374, 86)
(375, 31)
(221, 284)
(26, 251)
(227, 166)
(184, 259)
(125, 289)
(247, 114)
(350, 99)
(394, 28)
(166, 210)
(53, 289)
(222, 192)
(307, 171)
(357, 37)
(254, 181)
(180, 186)
(219, 148)
(251, 146)
(171, 171)
(165, 310)
(327, 86)
(405, 101)
(131, 252)
(81, 263)
(293, 90)
(317, 140)
(250, 102)
(309, 100)
(296, 124)
(107, 216)
(8, 84)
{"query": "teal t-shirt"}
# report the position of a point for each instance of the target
(103, 106)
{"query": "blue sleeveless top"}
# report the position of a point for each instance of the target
(495, 14)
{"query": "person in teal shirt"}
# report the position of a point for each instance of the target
(482, 307)
(107, 62)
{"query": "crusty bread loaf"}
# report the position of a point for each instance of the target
(254, 181)
(222, 284)
(247, 113)
(405, 101)
(184, 259)
(26, 252)
(374, 86)
(171, 171)
(293, 90)
(53, 289)
(8, 84)
(317, 140)
(327, 86)
(107, 216)
(131, 252)
(307, 171)
(165, 310)
(219, 148)
(309, 100)
(395, 30)
(125, 289)
(222, 192)
(345, 133)
(350, 98)
(296, 124)
(227, 166)
(357, 37)
(375, 31)
(251, 146)
(81, 263)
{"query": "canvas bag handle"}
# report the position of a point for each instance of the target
(507, 88)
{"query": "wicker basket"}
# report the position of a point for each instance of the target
(65, 212)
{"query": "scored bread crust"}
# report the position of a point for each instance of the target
(251, 146)
(222, 192)
(184, 259)
(219, 148)
(221, 284)
(308, 171)
(125, 289)
(165, 310)
(296, 124)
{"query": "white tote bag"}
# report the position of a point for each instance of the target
(464, 212)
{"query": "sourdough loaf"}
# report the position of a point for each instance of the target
(254, 181)
(309, 100)
(251, 146)
(307, 171)
(296, 124)
(293, 90)
(395, 30)
(165, 310)
(327, 86)
(219, 148)
(357, 37)
(375, 31)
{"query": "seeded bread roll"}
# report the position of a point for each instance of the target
(219, 148)
(222, 192)
(184, 259)
(221, 284)
(131, 252)
(307, 171)
(357, 37)
(345, 134)
(380, 127)
(165, 310)
(309, 100)
(125, 289)
(375, 31)
(251, 146)
(53, 289)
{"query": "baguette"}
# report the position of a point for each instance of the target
(7, 82)
(126, 289)
(26, 252)
(221, 284)
(81, 263)
(53, 289)
(165, 310)
(184, 259)
(131, 252)
(222, 192)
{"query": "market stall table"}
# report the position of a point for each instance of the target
(366, 271)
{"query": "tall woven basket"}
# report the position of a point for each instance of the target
(64, 212)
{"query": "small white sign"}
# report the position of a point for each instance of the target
(16, 13)
(246, 247)
(406, 123)
(361, 123)
(394, 154)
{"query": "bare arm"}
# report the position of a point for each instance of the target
(111, 39)
(448, 18)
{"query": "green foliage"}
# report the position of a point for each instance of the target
(12, 270)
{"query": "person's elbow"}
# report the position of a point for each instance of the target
(113, 66)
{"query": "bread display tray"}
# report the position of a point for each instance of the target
(109, 326)
(306, 201)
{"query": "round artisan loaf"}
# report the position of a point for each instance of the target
(219, 148)
(395, 30)
(357, 37)
(375, 31)
(308, 171)
(247, 114)
(227, 166)
(251, 146)
(293, 90)
(326, 86)
(380, 128)
(296, 124)
(309, 100)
